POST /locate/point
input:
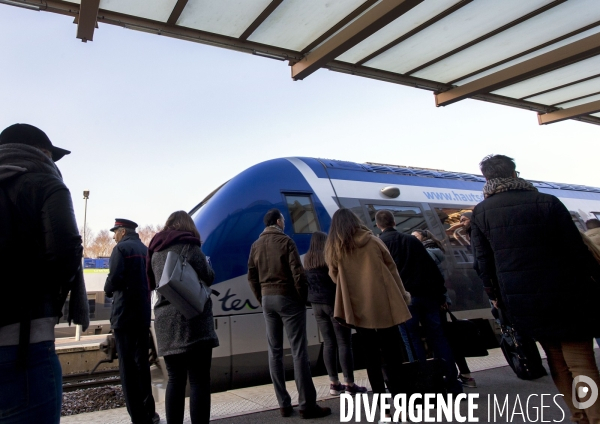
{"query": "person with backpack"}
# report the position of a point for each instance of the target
(40, 258)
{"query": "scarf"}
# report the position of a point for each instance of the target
(275, 227)
(17, 159)
(499, 185)
(161, 241)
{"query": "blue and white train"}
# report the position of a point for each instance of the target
(308, 191)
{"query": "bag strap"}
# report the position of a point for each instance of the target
(452, 317)
(185, 251)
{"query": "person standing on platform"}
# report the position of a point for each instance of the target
(337, 339)
(185, 344)
(40, 258)
(278, 281)
(370, 296)
(127, 284)
(547, 292)
(423, 280)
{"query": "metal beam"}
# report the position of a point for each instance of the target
(341, 24)
(488, 35)
(87, 19)
(260, 19)
(562, 102)
(409, 81)
(558, 87)
(563, 56)
(526, 52)
(418, 29)
(177, 11)
(572, 112)
(369, 23)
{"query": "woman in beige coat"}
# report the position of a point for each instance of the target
(370, 296)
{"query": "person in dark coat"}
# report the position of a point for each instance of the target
(127, 284)
(436, 250)
(546, 292)
(186, 345)
(425, 283)
(337, 339)
(40, 258)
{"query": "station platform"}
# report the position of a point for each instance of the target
(259, 405)
(78, 356)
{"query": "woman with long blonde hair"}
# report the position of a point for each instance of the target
(370, 296)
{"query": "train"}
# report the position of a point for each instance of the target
(308, 191)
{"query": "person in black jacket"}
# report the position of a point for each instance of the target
(40, 258)
(127, 284)
(423, 280)
(548, 290)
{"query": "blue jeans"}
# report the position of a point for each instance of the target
(426, 311)
(32, 394)
(279, 312)
(406, 340)
(336, 339)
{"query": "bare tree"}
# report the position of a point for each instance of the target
(147, 232)
(88, 240)
(102, 245)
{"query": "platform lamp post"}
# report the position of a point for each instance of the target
(86, 196)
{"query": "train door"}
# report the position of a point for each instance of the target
(304, 220)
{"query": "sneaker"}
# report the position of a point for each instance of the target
(286, 411)
(315, 411)
(467, 381)
(156, 418)
(352, 390)
(336, 389)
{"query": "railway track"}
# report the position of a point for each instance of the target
(72, 382)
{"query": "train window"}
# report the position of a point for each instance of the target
(578, 221)
(408, 218)
(460, 240)
(464, 285)
(302, 212)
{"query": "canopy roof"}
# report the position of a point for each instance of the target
(541, 55)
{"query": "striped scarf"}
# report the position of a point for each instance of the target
(499, 185)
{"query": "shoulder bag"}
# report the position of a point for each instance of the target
(180, 285)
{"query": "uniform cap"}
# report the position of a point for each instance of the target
(125, 223)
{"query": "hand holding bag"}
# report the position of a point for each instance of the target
(180, 285)
(465, 337)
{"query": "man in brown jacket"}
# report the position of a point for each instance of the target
(277, 279)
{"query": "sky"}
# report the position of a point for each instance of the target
(155, 124)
